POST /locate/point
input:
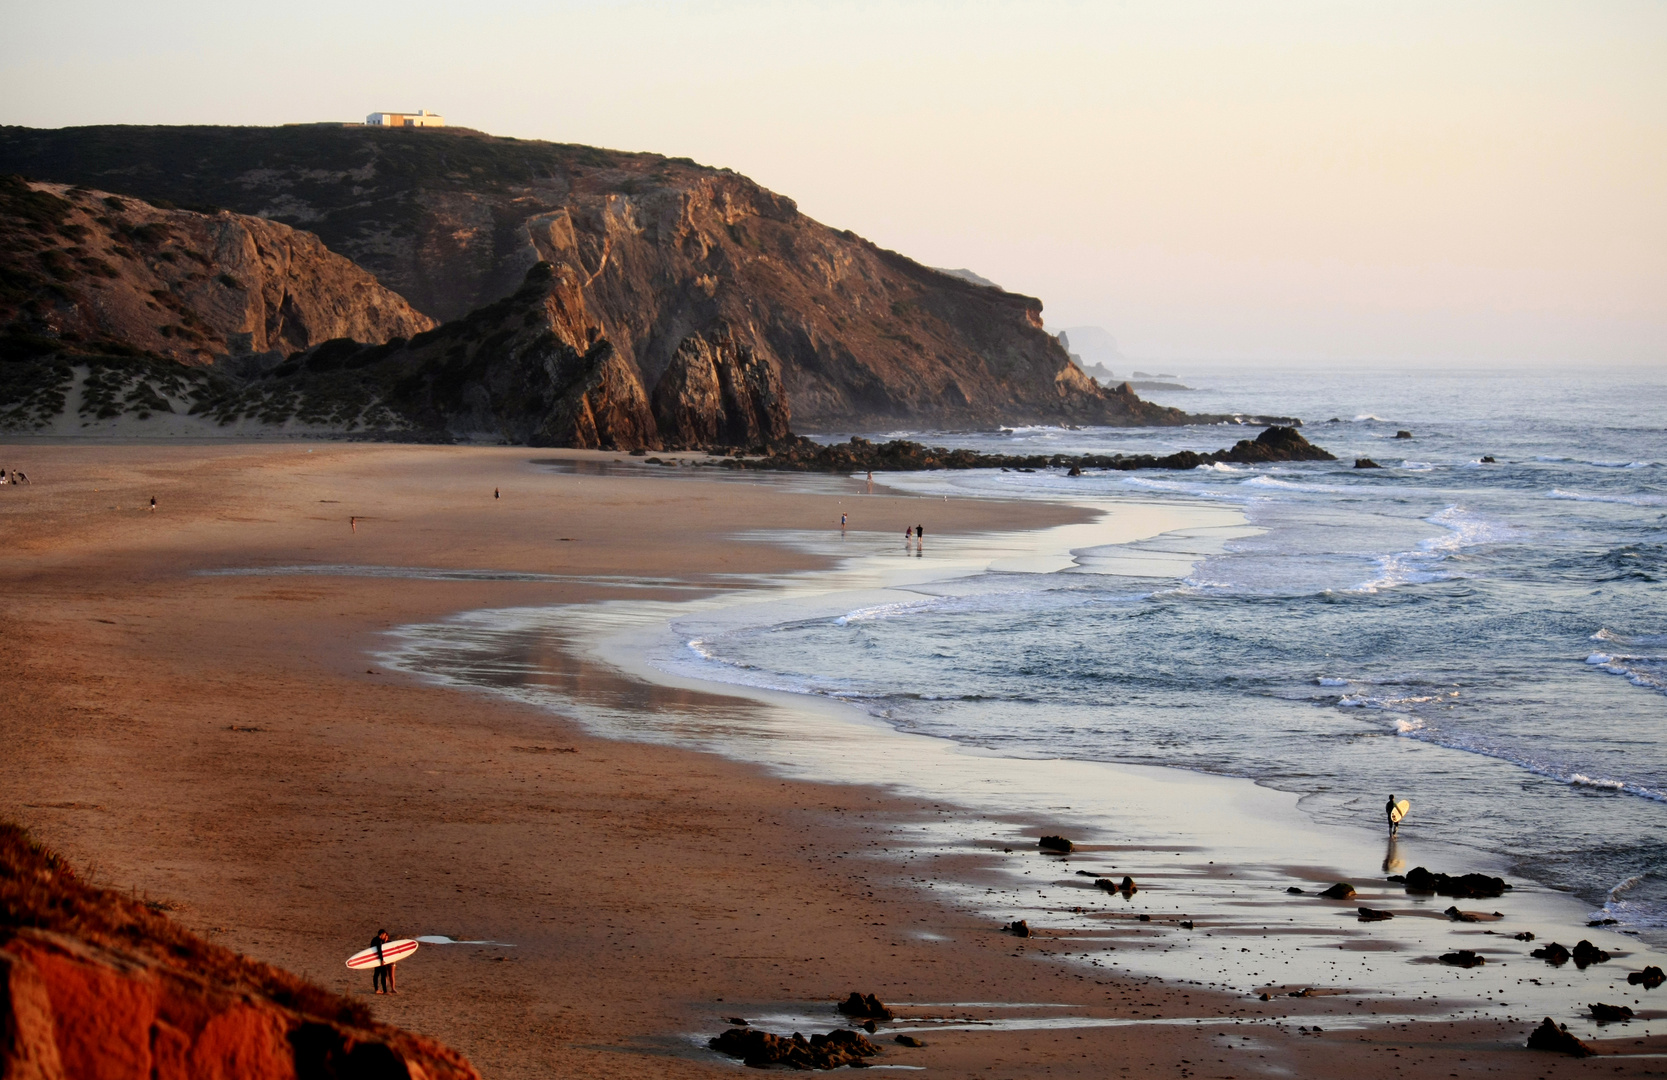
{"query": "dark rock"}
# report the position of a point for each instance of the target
(1307, 991)
(1018, 928)
(1127, 886)
(1056, 843)
(1602, 922)
(1466, 887)
(1461, 916)
(1487, 459)
(870, 1026)
(1143, 918)
(900, 455)
(1586, 954)
(908, 1040)
(1366, 463)
(1294, 891)
(1374, 915)
(1396, 879)
(719, 392)
(760, 1049)
(1526, 935)
(1089, 873)
(1186, 924)
(1403, 434)
(1465, 958)
(1340, 891)
(1650, 978)
(1557, 1040)
(736, 1020)
(1076, 470)
(1610, 1014)
(864, 1007)
(1551, 953)
(1548, 1036)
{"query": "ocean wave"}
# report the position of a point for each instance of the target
(1572, 775)
(1293, 485)
(1366, 701)
(1606, 634)
(1649, 672)
(1464, 530)
(1368, 418)
(886, 611)
(1332, 682)
(1629, 500)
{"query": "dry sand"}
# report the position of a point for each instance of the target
(223, 743)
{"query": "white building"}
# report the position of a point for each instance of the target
(420, 118)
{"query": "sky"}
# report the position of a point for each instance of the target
(1398, 183)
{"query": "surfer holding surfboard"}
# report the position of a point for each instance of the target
(382, 955)
(1395, 811)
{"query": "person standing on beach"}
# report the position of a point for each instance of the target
(353, 523)
(382, 977)
(842, 523)
(920, 534)
(1389, 812)
(153, 504)
(495, 493)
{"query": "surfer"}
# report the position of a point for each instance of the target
(382, 979)
(1389, 812)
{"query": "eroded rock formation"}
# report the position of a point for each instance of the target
(86, 269)
(661, 249)
(719, 392)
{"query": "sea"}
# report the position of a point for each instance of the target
(1486, 638)
(1478, 626)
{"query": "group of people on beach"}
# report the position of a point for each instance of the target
(16, 476)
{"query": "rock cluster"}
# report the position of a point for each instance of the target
(865, 1007)
(761, 1049)
(1276, 443)
(1464, 887)
(1610, 1014)
(1056, 843)
(1465, 958)
(1650, 978)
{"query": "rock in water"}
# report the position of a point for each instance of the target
(1366, 463)
(1551, 953)
(1294, 891)
(1403, 434)
(1340, 891)
(1019, 928)
(761, 1049)
(1548, 1036)
(1610, 1014)
(1465, 887)
(1465, 958)
(1374, 915)
(864, 1007)
(1586, 954)
(1650, 978)
(1056, 843)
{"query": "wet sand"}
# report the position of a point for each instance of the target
(230, 745)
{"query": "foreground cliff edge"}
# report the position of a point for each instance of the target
(662, 258)
(93, 983)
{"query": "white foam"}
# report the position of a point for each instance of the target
(1627, 500)
(1332, 682)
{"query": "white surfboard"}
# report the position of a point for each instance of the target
(392, 953)
(1399, 812)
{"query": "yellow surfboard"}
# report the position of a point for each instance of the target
(1399, 812)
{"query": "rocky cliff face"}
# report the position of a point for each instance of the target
(84, 269)
(659, 250)
(533, 368)
(93, 984)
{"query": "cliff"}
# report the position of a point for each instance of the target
(94, 984)
(532, 368)
(83, 267)
(661, 251)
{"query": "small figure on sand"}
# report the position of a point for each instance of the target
(871, 482)
(495, 493)
(920, 533)
(353, 523)
(842, 523)
(1394, 811)
(153, 504)
(382, 978)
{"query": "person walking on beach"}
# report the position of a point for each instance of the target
(1389, 812)
(153, 504)
(495, 493)
(382, 978)
(353, 523)
(842, 523)
(920, 534)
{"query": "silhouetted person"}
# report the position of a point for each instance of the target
(382, 978)
(1389, 812)
(495, 493)
(153, 504)
(920, 532)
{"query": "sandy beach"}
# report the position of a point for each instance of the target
(231, 744)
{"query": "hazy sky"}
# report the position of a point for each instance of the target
(1385, 182)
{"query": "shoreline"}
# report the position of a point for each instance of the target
(1006, 801)
(219, 742)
